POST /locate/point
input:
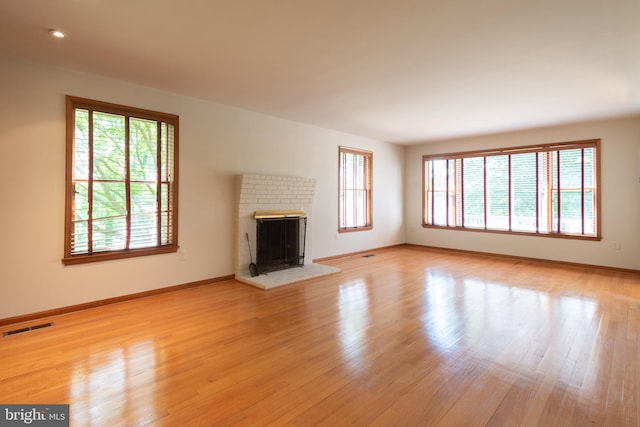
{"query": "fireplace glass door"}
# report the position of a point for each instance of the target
(280, 243)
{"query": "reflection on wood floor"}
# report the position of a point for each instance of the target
(409, 336)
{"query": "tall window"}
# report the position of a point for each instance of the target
(121, 182)
(355, 189)
(547, 190)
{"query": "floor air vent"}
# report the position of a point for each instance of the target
(368, 255)
(27, 329)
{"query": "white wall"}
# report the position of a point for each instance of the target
(620, 190)
(217, 143)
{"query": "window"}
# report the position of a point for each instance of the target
(549, 190)
(121, 182)
(355, 189)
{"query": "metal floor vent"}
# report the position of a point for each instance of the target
(28, 328)
(368, 255)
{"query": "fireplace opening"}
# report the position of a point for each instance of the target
(280, 243)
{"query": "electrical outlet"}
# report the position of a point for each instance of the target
(616, 246)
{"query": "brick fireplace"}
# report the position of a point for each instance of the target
(277, 194)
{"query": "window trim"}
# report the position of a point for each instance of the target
(591, 143)
(73, 103)
(369, 190)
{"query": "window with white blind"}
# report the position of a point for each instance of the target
(355, 172)
(549, 190)
(122, 182)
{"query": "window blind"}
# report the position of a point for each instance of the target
(550, 189)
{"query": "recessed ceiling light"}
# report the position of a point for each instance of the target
(57, 34)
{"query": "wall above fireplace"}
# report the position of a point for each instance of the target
(273, 195)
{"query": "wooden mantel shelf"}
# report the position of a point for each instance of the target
(283, 213)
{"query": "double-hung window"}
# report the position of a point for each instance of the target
(550, 190)
(121, 182)
(355, 172)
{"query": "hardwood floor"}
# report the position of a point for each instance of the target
(409, 336)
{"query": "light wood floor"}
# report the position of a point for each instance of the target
(406, 337)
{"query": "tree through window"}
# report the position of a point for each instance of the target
(121, 182)
(549, 189)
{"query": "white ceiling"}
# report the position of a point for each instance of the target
(402, 71)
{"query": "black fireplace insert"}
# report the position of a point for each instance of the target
(280, 243)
